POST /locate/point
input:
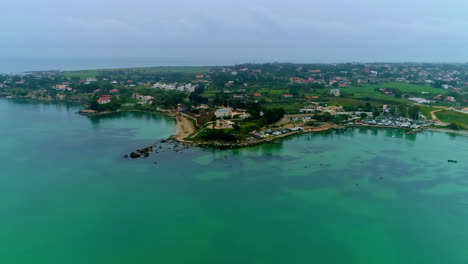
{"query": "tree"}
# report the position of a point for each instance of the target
(273, 115)
(363, 115)
(94, 105)
(367, 107)
(325, 117)
(254, 110)
(455, 126)
(217, 134)
(413, 112)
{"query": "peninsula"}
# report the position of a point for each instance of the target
(249, 104)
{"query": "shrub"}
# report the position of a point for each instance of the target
(455, 126)
(217, 135)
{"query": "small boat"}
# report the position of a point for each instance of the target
(452, 161)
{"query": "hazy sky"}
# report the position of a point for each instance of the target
(250, 30)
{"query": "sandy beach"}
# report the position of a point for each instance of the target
(185, 127)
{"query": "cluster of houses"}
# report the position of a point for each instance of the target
(316, 108)
(336, 81)
(439, 97)
(463, 110)
(62, 87)
(176, 87)
(400, 122)
(90, 80)
(277, 132)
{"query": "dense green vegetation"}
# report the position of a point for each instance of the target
(217, 135)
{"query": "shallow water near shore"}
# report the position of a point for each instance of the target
(349, 196)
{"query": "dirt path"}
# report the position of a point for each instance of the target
(434, 117)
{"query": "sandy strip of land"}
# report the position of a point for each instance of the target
(446, 130)
(184, 127)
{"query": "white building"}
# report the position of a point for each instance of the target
(223, 112)
(176, 87)
(335, 92)
(420, 100)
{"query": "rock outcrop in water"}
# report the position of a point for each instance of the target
(134, 155)
(163, 145)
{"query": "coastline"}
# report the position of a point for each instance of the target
(186, 126)
(325, 127)
(446, 130)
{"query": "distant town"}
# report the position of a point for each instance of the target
(252, 103)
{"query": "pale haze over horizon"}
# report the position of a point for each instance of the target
(249, 31)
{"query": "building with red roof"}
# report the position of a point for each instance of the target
(104, 99)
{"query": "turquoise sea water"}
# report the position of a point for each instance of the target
(351, 196)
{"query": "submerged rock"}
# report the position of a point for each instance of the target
(134, 155)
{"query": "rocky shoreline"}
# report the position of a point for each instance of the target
(162, 146)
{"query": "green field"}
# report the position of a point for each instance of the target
(369, 93)
(176, 69)
(369, 90)
(410, 88)
(273, 91)
(292, 107)
(452, 116)
(376, 102)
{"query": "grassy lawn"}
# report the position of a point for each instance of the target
(410, 88)
(452, 116)
(369, 90)
(360, 91)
